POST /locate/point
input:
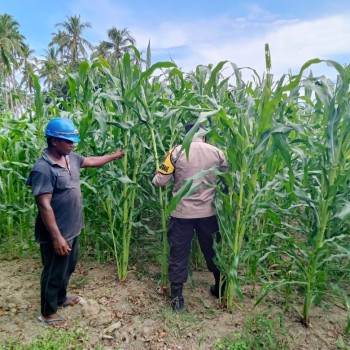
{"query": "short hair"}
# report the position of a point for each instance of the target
(189, 126)
(49, 141)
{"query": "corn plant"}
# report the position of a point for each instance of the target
(329, 174)
(319, 196)
(151, 108)
(18, 144)
(125, 109)
(249, 130)
(117, 202)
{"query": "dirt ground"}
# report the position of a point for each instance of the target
(133, 316)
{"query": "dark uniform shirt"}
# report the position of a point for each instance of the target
(64, 185)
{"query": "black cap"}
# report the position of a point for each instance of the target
(189, 126)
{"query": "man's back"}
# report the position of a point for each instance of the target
(202, 156)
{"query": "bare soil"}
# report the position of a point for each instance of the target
(132, 315)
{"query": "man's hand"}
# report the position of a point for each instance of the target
(61, 246)
(119, 153)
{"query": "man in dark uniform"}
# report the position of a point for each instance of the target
(194, 213)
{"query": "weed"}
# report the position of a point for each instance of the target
(231, 343)
(78, 282)
(261, 331)
(51, 340)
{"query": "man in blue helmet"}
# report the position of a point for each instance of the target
(55, 182)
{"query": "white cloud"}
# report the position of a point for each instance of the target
(242, 41)
(211, 39)
(323, 38)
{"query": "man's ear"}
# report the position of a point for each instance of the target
(54, 141)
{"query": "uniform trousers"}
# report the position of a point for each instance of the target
(180, 235)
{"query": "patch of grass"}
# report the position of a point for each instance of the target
(22, 249)
(53, 339)
(180, 325)
(343, 344)
(262, 331)
(80, 281)
(231, 343)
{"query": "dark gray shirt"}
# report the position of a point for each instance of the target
(64, 185)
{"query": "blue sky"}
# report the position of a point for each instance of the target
(197, 32)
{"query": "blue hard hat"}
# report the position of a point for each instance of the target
(62, 128)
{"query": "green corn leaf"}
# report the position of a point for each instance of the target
(125, 180)
(154, 67)
(125, 126)
(213, 77)
(187, 189)
(189, 136)
(86, 184)
(277, 285)
(344, 213)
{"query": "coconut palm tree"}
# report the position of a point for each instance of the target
(29, 65)
(119, 42)
(51, 68)
(11, 42)
(60, 40)
(101, 50)
(69, 40)
(11, 48)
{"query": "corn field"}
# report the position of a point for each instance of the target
(285, 211)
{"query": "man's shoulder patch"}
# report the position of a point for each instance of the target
(167, 167)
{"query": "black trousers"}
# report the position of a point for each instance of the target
(55, 275)
(180, 235)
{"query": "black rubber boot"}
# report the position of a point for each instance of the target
(177, 300)
(214, 289)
